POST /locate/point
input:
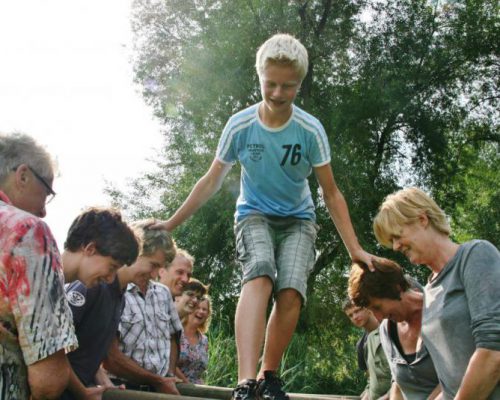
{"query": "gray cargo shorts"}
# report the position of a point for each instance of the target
(281, 248)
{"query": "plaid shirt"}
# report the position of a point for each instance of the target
(146, 326)
(35, 319)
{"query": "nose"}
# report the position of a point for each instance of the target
(277, 91)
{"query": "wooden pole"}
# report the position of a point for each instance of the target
(135, 395)
(222, 393)
(197, 392)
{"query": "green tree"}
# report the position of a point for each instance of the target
(407, 92)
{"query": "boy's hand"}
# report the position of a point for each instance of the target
(166, 225)
(167, 385)
(368, 259)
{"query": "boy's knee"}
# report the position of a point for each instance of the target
(289, 297)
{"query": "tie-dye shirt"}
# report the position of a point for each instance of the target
(35, 319)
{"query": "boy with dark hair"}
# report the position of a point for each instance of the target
(278, 145)
(98, 243)
(97, 311)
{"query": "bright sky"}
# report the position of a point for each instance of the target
(66, 79)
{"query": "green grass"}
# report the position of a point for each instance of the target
(315, 362)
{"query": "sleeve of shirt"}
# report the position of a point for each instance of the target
(42, 314)
(481, 279)
(79, 299)
(226, 149)
(319, 146)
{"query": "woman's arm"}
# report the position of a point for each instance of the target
(481, 279)
(481, 377)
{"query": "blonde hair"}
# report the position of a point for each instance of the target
(405, 207)
(155, 239)
(282, 49)
(182, 253)
(204, 328)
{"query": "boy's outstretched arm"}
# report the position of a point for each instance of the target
(204, 189)
(337, 207)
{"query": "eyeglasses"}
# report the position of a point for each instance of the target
(50, 192)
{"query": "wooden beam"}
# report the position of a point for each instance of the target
(222, 393)
(135, 395)
(197, 392)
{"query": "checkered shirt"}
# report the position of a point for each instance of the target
(146, 326)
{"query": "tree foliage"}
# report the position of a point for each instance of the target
(407, 91)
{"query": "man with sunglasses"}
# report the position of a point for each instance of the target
(36, 327)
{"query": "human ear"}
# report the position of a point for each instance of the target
(90, 249)
(21, 175)
(423, 219)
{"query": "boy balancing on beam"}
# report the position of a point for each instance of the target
(278, 145)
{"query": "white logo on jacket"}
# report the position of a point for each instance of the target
(75, 298)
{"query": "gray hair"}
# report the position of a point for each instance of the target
(18, 148)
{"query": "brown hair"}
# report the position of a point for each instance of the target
(347, 304)
(105, 228)
(386, 282)
(194, 285)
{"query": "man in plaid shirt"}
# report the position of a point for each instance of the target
(145, 355)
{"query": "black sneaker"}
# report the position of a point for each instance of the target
(270, 388)
(245, 390)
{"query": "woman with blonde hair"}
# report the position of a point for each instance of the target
(193, 356)
(461, 315)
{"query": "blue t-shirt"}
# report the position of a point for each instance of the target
(275, 162)
(96, 314)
